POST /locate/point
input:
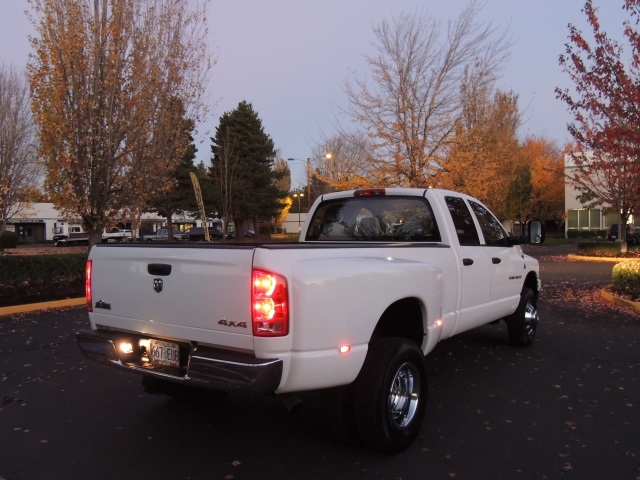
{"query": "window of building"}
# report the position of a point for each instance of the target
(584, 219)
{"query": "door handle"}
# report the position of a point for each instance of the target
(496, 260)
(467, 261)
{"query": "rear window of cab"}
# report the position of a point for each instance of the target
(374, 219)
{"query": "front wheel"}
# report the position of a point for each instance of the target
(523, 323)
(391, 394)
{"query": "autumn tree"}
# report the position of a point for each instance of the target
(242, 167)
(605, 105)
(349, 165)
(19, 167)
(179, 196)
(483, 154)
(103, 76)
(546, 163)
(412, 104)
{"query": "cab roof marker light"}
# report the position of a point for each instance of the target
(370, 192)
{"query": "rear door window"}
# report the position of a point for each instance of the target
(463, 221)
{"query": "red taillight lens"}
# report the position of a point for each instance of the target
(87, 286)
(269, 304)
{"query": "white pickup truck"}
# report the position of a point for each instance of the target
(377, 279)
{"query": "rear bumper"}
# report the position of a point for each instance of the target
(202, 367)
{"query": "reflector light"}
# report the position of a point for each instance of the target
(344, 348)
(270, 304)
(87, 286)
(370, 192)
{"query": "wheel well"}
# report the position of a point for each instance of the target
(402, 319)
(532, 282)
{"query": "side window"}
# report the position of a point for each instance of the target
(463, 222)
(494, 233)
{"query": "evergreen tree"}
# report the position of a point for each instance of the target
(242, 168)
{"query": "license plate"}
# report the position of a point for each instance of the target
(164, 353)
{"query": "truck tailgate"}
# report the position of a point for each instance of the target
(175, 292)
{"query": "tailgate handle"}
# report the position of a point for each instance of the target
(159, 269)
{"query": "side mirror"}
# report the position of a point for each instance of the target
(537, 231)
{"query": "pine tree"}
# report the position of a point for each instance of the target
(242, 168)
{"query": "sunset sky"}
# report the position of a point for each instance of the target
(290, 58)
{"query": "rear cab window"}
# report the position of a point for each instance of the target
(374, 219)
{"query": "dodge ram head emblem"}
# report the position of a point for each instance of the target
(157, 284)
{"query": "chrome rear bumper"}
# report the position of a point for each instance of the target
(202, 367)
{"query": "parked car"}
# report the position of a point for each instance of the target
(249, 233)
(195, 233)
(613, 233)
(162, 235)
(634, 238)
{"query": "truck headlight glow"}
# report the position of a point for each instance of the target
(270, 304)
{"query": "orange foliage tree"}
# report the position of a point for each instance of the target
(546, 162)
(104, 78)
(484, 150)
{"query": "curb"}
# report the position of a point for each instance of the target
(32, 307)
(573, 256)
(620, 301)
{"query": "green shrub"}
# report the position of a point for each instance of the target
(21, 272)
(9, 240)
(626, 278)
(599, 248)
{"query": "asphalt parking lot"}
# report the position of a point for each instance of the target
(566, 407)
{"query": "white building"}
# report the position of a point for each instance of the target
(578, 216)
(39, 221)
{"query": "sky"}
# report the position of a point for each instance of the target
(290, 59)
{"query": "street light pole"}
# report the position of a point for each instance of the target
(298, 195)
(308, 184)
(326, 156)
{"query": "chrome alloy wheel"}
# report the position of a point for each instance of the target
(404, 395)
(531, 320)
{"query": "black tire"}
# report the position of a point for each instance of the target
(523, 323)
(339, 412)
(391, 394)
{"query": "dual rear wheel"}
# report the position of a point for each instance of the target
(385, 406)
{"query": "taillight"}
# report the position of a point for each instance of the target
(87, 286)
(269, 304)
